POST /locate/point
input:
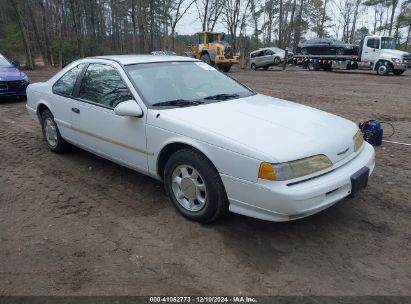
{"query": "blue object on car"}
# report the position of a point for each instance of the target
(372, 131)
(13, 82)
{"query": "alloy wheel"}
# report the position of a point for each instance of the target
(189, 188)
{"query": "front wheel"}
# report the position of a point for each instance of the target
(225, 69)
(253, 66)
(206, 58)
(194, 186)
(277, 61)
(398, 72)
(382, 69)
(51, 133)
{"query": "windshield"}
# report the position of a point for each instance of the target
(170, 81)
(212, 38)
(4, 62)
(387, 43)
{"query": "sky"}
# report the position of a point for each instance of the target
(191, 24)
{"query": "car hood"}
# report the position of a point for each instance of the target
(10, 74)
(267, 128)
(395, 53)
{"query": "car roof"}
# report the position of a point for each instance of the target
(134, 59)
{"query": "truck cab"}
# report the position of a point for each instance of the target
(380, 52)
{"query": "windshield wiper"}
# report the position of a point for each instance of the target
(177, 103)
(221, 96)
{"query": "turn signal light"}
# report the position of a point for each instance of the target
(266, 172)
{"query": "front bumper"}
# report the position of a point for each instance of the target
(279, 201)
(403, 66)
(13, 88)
(221, 60)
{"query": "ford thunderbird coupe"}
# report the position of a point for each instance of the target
(217, 145)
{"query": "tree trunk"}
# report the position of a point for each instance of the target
(29, 58)
(394, 6)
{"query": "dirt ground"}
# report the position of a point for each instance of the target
(77, 224)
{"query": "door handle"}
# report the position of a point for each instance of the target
(75, 110)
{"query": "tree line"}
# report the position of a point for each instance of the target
(59, 31)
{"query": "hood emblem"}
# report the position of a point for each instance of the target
(343, 152)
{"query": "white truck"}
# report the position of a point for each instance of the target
(377, 51)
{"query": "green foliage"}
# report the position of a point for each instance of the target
(11, 40)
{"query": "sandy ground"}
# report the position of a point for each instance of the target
(77, 224)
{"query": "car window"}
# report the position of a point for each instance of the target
(102, 84)
(373, 43)
(65, 85)
(324, 41)
(312, 41)
(4, 62)
(268, 52)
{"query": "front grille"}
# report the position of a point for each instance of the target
(228, 53)
(11, 86)
(406, 59)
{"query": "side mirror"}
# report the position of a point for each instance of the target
(128, 108)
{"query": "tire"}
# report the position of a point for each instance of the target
(225, 69)
(204, 206)
(277, 61)
(398, 72)
(51, 133)
(328, 67)
(253, 67)
(304, 51)
(313, 66)
(206, 58)
(382, 69)
(339, 52)
(265, 68)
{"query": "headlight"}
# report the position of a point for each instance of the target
(358, 140)
(396, 60)
(294, 169)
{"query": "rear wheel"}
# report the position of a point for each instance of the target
(328, 67)
(194, 186)
(253, 66)
(51, 133)
(398, 72)
(339, 52)
(265, 68)
(314, 66)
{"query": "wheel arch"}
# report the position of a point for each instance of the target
(209, 52)
(41, 107)
(173, 146)
(381, 60)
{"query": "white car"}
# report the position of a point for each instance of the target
(216, 144)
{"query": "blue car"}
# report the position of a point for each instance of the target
(13, 82)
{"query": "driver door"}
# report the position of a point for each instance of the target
(371, 47)
(97, 128)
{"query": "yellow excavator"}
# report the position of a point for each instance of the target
(211, 49)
